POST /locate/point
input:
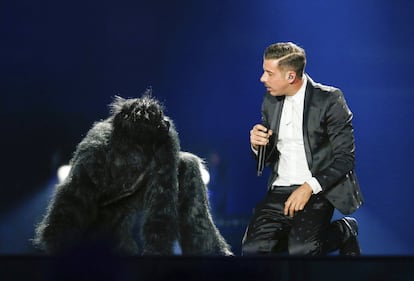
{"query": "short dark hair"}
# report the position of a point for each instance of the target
(290, 56)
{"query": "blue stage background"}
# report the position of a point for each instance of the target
(63, 61)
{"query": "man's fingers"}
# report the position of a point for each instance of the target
(291, 207)
(287, 207)
(291, 212)
(258, 138)
(260, 127)
(259, 133)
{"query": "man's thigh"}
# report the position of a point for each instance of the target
(268, 228)
(310, 226)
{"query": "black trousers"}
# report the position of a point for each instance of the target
(308, 233)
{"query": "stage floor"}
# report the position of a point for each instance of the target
(102, 267)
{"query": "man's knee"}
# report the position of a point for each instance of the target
(312, 248)
(264, 247)
(257, 247)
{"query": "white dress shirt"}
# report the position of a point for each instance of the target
(293, 168)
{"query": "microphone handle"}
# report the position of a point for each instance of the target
(261, 159)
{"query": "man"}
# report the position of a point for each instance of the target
(309, 146)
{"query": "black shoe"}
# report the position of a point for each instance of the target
(350, 245)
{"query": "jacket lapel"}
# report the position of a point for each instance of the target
(277, 113)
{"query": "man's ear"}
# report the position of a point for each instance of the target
(291, 75)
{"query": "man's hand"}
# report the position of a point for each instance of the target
(259, 135)
(298, 199)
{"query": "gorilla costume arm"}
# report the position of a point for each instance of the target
(159, 213)
(198, 233)
(65, 223)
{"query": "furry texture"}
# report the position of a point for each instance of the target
(132, 190)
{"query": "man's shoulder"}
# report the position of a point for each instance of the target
(322, 88)
(321, 92)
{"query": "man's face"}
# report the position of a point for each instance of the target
(275, 81)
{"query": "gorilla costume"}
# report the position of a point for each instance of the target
(131, 189)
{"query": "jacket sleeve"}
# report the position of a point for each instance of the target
(264, 121)
(272, 154)
(338, 122)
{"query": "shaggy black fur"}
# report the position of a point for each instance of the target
(131, 189)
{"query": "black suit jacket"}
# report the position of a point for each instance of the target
(329, 143)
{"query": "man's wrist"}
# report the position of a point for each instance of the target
(314, 184)
(254, 149)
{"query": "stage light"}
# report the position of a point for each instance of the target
(63, 172)
(205, 175)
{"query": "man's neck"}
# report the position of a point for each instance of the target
(295, 86)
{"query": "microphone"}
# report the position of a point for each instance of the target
(261, 159)
(261, 153)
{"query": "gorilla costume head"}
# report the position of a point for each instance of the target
(140, 119)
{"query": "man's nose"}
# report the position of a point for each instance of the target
(263, 78)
